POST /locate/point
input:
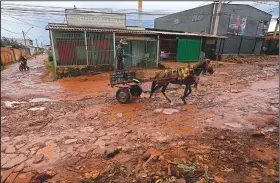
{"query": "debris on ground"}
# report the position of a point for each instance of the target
(113, 153)
(41, 178)
(170, 111)
(209, 140)
(257, 133)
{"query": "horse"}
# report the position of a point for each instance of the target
(192, 78)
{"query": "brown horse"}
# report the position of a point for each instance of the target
(190, 79)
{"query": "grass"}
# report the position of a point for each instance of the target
(51, 74)
(51, 66)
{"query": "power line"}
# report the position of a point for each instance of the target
(10, 31)
(26, 22)
(56, 13)
(63, 8)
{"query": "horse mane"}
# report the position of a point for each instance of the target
(200, 64)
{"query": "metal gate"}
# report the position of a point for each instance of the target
(100, 48)
(83, 48)
(70, 48)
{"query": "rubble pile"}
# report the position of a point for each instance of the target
(248, 59)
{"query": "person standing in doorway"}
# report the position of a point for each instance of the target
(120, 55)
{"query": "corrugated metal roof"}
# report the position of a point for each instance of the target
(65, 27)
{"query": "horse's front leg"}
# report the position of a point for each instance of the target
(155, 88)
(187, 91)
(196, 80)
(163, 92)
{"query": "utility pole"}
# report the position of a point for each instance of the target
(217, 18)
(24, 34)
(36, 42)
(276, 28)
(24, 38)
(139, 13)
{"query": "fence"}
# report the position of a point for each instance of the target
(240, 45)
(71, 49)
(97, 49)
(10, 55)
(271, 47)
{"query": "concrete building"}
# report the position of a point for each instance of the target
(29, 42)
(244, 25)
(90, 46)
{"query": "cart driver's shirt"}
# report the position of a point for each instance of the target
(120, 53)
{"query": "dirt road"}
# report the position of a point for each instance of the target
(73, 127)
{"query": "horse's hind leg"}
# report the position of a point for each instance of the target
(152, 88)
(163, 92)
(187, 91)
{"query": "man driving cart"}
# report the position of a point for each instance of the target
(120, 55)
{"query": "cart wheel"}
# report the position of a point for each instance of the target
(123, 95)
(136, 90)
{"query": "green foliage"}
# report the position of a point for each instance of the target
(50, 58)
(10, 42)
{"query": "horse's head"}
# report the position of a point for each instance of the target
(207, 66)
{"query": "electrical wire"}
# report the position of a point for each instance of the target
(10, 31)
(58, 14)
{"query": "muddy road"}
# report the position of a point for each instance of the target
(75, 129)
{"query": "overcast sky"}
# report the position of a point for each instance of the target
(17, 26)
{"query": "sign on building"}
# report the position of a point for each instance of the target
(92, 19)
(237, 25)
(262, 28)
(197, 16)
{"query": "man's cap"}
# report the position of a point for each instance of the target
(123, 41)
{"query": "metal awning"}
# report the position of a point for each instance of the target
(65, 27)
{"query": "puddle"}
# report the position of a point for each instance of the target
(186, 128)
(118, 115)
(123, 108)
(186, 107)
(12, 104)
(37, 109)
(40, 100)
(175, 131)
(130, 114)
(234, 125)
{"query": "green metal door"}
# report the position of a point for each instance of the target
(188, 50)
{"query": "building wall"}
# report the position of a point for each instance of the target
(10, 55)
(194, 20)
(28, 42)
(253, 16)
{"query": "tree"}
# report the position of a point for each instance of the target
(10, 42)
